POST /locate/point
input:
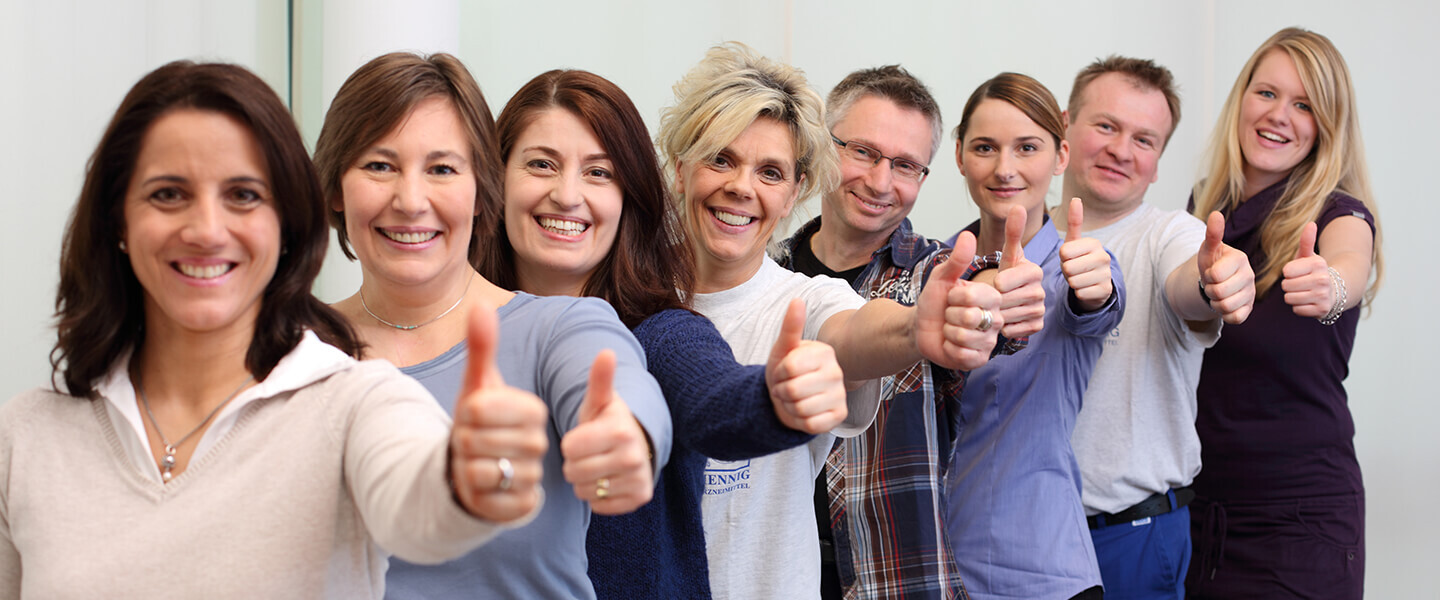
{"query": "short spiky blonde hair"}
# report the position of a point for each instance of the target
(723, 94)
(1336, 163)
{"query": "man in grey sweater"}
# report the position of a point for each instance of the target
(1135, 435)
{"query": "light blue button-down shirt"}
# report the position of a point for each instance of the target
(1013, 506)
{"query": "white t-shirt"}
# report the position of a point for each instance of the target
(759, 514)
(1135, 435)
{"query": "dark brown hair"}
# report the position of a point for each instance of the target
(100, 302)
(1143, 73)
(1022, 92)
(377, 98)
(649, 269)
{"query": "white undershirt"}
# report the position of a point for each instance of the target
(310, 361)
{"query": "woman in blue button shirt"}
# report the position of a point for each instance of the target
(1014, 509)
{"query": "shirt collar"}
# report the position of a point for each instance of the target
(905, 248)
(309, 361)
(1042, 244)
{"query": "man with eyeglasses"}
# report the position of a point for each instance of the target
(879, 498)
(1135, 437)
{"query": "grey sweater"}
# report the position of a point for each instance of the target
(301, 499)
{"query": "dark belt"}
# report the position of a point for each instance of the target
(1158, 504)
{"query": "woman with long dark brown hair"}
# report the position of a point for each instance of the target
(586, 213)
(212, 415)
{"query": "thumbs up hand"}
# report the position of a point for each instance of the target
(956, 320)
(1225, 274)
(607, 456)
(1085, 263)
(806, 384)
(1022, 295)
(498, 441)
(1306, 281)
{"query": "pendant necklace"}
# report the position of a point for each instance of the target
(167, 464)
(411, 327)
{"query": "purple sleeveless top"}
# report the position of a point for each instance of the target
(1273, 416)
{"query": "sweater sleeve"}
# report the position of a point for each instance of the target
(396, 447)
(719, 407)
(1100, 321)
(575, 334)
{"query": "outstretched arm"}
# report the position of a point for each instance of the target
(1224, 275)
(945, 325)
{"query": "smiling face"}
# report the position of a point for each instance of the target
(1277, 127)
(735, 201)
(871, 199)
(562, 203)
(1007, 159)
(409, 199)
(201, 227)
(1116, 139)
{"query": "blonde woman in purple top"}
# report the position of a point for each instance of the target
(1280, 507)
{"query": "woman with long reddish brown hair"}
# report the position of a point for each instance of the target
(408, 161)
(586, 213)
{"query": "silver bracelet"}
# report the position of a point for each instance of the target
(1337, 290)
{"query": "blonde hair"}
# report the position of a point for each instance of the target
(723, 94)
(1336, 163)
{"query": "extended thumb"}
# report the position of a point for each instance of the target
(960, 258)
(481, 339)
(1214, 240)
(1076, 220)
(1014, 250)
(1307, 242)
(601, 390)
(792, 330)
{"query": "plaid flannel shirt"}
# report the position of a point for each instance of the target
(886, 486)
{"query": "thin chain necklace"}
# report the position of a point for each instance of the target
(410, 327)
(167, 464)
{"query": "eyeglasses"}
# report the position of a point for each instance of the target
(902, 167)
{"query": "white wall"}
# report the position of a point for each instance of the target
(78, 58)
(67, 65)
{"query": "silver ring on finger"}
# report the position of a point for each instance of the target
(507, 473)
(986, 320)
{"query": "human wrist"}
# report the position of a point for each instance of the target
(1200, 281)
(1338, 293)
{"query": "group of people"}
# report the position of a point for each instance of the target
(649, 397)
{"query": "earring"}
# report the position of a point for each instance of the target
(123, 248)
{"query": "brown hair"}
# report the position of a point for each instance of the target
(1022, 92)
(1143, 73)
(649, 269)
(893, 83)
(377, 98)
(100, 302)
(1336, 162)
